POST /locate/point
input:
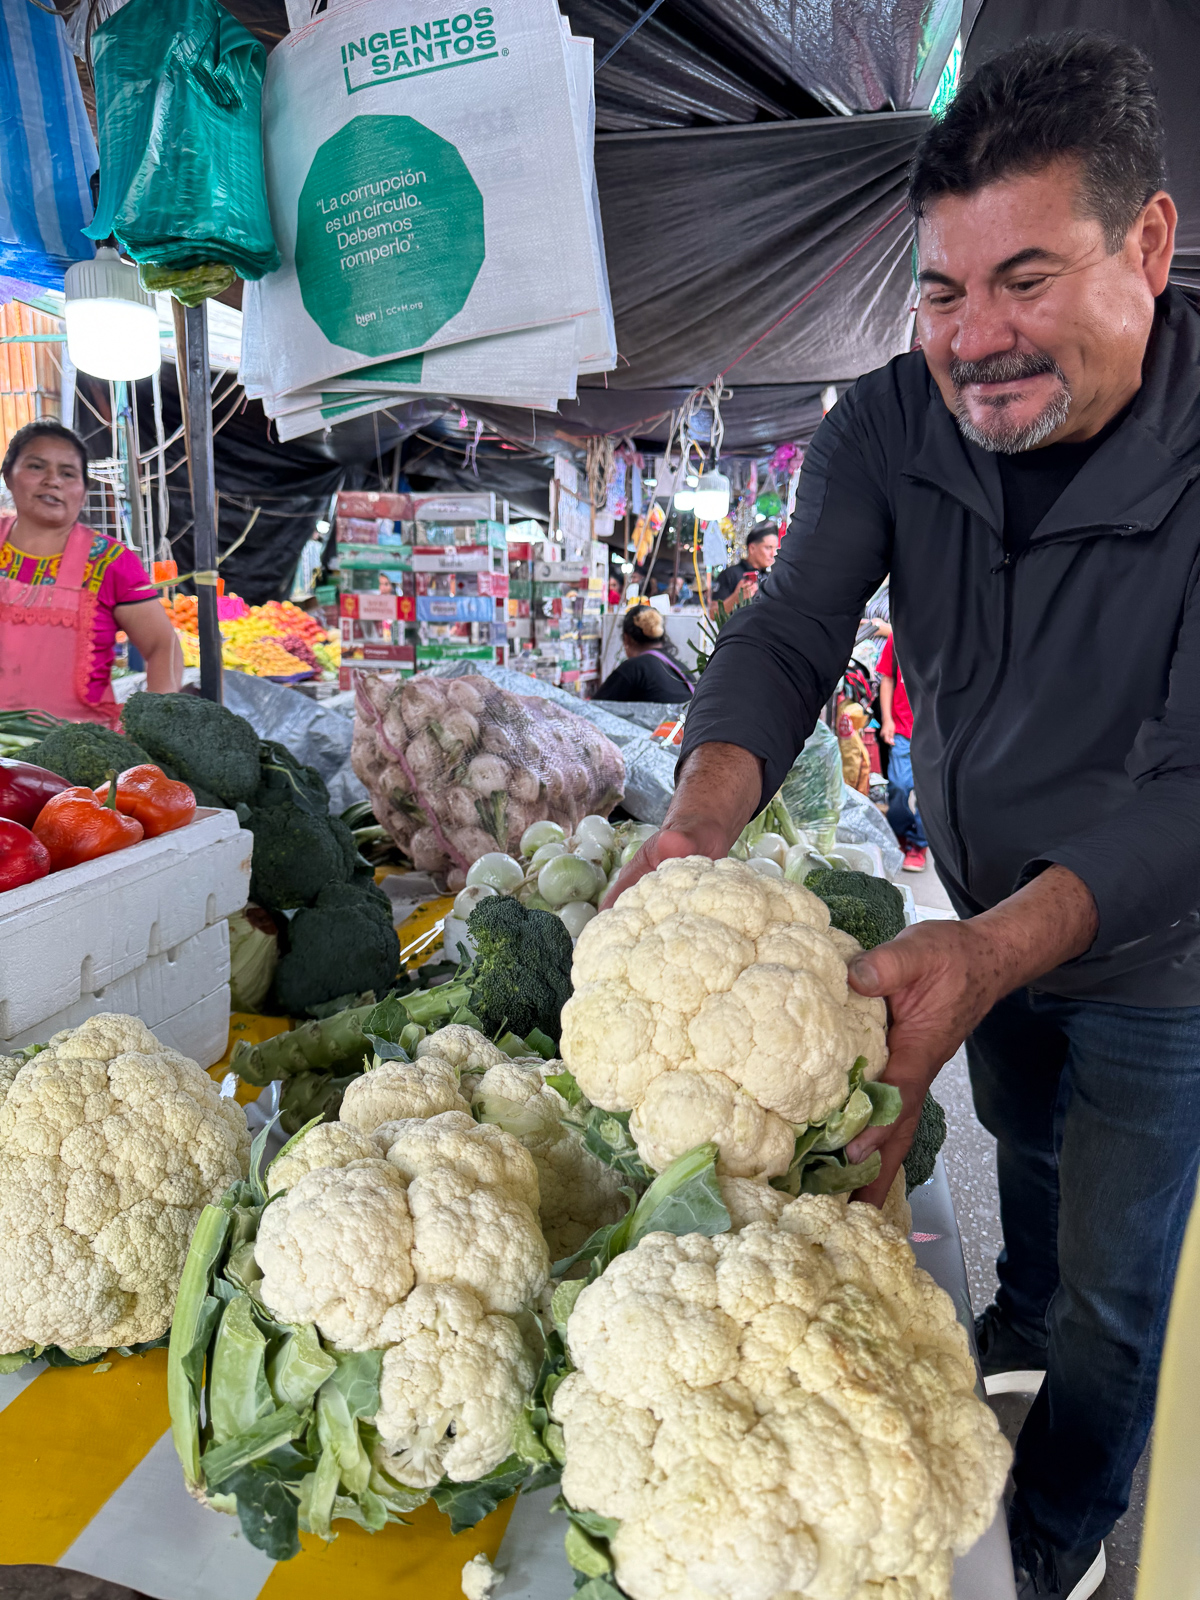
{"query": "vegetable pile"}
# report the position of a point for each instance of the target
(457, 767)
(276, 640)
(110, 1145)
(711, 1004)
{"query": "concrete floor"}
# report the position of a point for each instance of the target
(970, 1157)
(971, 1166)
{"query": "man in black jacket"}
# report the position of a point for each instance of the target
(1030, 481)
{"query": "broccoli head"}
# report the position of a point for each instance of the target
(296, 855)
(927, 1141)
(883, 897)
(365, 895)
(342, 946)
(283, 778)
(521, 976)
(856, 917)
(85, 752)
(203, 742)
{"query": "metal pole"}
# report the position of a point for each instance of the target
(204, 524)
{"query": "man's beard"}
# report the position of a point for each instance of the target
(1001, 435)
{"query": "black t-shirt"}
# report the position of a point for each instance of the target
(1032, 480)
(728, 579)
(644, 677)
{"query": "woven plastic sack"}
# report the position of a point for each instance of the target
(457, 767)
(812, 790)
(179, 106)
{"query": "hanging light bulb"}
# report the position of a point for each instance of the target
(712, 497)
(112, 325)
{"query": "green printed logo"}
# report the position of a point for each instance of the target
(434, 46)
(389, 235)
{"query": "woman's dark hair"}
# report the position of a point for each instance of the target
(1079, 96)
(644, 626)
(45, 428)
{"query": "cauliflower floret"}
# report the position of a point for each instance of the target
(481, 1237)
(110, 1145)
(706, 968)
(682, 1109)
(336, 1250)
(785, 1409)
(747, 1201)
(480, 1152)
(578, 1192)
(399, 1089)
(454, 1381)
(480, 1578)
(329, 1144)
(464, 1048)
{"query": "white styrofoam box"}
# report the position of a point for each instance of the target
(200, 1030)
(160, 988)
(76, 932)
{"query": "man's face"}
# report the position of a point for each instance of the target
(762, 552)
(1033, 332)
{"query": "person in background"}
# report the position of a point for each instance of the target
(895, 729)
(614, 593)
(66, 590)
(856, 763)
(651, 670)
(678, 591)
(739, 582)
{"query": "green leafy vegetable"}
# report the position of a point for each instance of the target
(468, 1503)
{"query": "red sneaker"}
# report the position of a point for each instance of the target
(914, 860)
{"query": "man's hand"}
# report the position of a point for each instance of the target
(887, 730)
(942, 978)
(718, 791)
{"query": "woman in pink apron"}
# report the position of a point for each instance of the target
(650, 670)
(65, 590)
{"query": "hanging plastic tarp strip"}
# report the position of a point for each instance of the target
(47, 153)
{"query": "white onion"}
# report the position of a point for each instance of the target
(546, 852)
(597, 828)
(467, 899)
(497, 869)
(538, 834)
(567, 878)
(576, 916)
(764, 864)
(770, 846)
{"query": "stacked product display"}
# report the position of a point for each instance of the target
(277, 640)
(557, 596)
(423, 578)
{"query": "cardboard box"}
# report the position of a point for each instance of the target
(493, 583)
(520, 551)
(398, 653)
(457, 558)
(560, 572)
(378, 607)
(457, 608)
(453, 507)
(364, 503)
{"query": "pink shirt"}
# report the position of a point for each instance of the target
(113, 574)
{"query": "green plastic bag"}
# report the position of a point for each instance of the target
(812, 790)
(179, 106)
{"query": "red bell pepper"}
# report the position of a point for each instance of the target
(24, 790)
(75, 826)
(23, 858)
(160, 804)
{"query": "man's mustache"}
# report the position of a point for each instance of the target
(1003, 367)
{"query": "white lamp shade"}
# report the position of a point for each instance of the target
(112, 324)
(685, 499)
(711, 497)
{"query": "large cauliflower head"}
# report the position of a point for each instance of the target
(396, 1090)
(713, 970)
(454, 1380)
(789, 1408)
(110, 1146)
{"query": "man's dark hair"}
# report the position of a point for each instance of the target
(1078, 96)
(761, 530)
(45, 428)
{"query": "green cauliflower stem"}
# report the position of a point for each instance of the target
(927, 1141)
(521, 976)
(296, 855)
(204, 743)
(884, 897)
(84, 752)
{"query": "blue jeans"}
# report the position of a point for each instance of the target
(903, 819)
(1096, 1112)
